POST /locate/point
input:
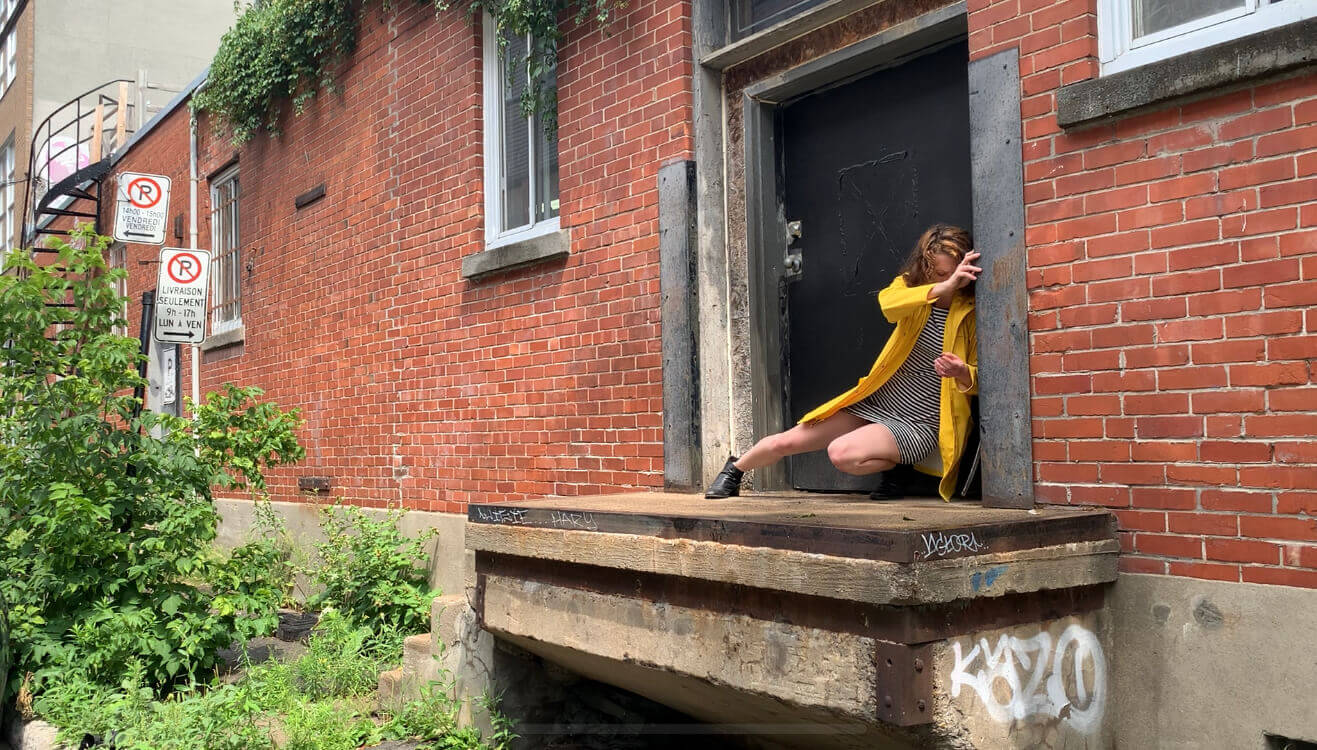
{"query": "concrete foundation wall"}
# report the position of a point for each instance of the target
(449, 559)
(1042, 685)
(1203, 664)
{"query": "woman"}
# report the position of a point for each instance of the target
(913, 406)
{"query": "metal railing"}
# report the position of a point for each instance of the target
(81, 133)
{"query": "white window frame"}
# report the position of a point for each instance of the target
(493, 87)
(8, 195)
(1118, 50)
(8, 46)
(119, 259)
(10, 51)
(11, 58)
(219, 256)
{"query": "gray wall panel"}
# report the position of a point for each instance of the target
(1002, 295)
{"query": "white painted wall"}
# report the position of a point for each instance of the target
(81, 44)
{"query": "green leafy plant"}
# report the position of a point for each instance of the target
(285, 51)
(342, 659)
(369, 571)
(501, 724)
(104, 527)
(255, 580)
(323, 700)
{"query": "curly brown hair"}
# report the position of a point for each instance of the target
(920, 267)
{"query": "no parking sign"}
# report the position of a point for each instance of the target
(181, 294)
(141, 203)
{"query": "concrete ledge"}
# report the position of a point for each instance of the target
(227, 338)
(1266, 53)
(912, 530)
(506, 257)
(852, 579)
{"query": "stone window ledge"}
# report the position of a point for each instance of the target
(227, 338)
(1255, 56)
(517, 254)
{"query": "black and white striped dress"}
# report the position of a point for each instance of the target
(909, 403)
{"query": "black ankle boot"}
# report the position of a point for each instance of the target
(727, 483)
(888, 489)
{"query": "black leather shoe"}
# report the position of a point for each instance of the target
(727, 483)
(888, 489)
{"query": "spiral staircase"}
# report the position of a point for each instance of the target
(70, 156)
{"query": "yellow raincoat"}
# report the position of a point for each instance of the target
(909, 308)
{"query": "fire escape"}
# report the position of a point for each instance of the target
(70, 157)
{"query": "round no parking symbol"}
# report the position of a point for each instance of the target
(184, 268)
(144, 192)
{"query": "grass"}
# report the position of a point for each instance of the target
(323, 700)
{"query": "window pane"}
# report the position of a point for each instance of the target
(546, 162)
(749, 16)
(1151, 16)
(226, 268)
(11, 218)
(11, 57)
(516, 138)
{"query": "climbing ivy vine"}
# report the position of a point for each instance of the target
(282, 52)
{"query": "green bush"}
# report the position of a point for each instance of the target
(369, 571)
(256, 578)
(324, 700)
(226, 718)
(104, 527)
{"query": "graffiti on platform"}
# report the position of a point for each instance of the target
(570, 519)
(1022, 678)
(941, 544)
(510, 516)
(983, 579)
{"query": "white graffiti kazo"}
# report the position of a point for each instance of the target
(1024, 665)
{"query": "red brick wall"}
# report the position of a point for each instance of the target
(417, 385)
(1173, 276)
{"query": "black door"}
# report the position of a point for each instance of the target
(867, 166)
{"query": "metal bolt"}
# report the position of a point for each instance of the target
(919, 665)
(920, 705)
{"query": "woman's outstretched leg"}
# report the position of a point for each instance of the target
(802, 438)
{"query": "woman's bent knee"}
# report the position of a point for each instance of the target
(851, 457)
(842, 455)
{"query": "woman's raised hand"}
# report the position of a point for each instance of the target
(965, 273)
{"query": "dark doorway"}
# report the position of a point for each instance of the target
(867, 166)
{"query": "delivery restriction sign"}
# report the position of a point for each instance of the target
(141, 205)
(180, 296)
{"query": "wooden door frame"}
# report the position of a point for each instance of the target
(997, 171)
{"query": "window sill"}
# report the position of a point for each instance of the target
(1255, 56)
(550, 246)
(227, 338)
